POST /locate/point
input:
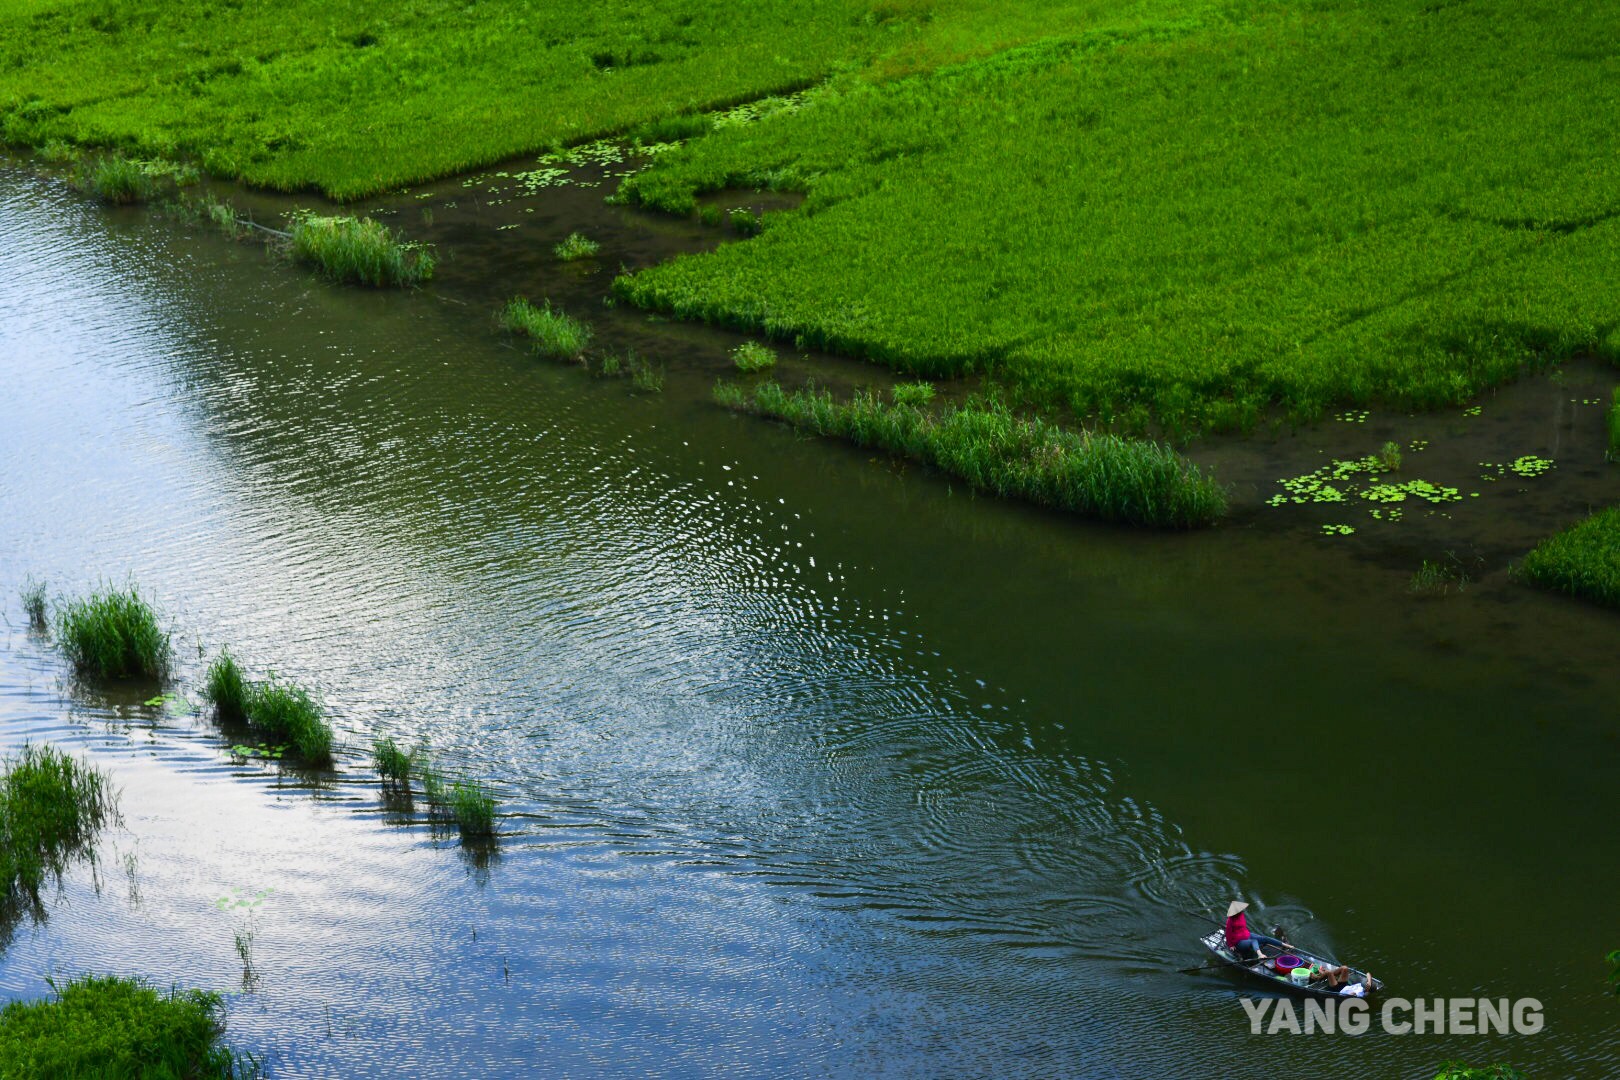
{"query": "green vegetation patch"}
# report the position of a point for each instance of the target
(576, 246)
(551, 331)
(33, 602)
(114, 634)
(393, 764)
(753, 356)
(1583, 560)
(1103, 476)
(225, 686)
(361, 96)
(291, 712)
(52, 807)
(1193, 216)
(104, 1026)
(359, 251)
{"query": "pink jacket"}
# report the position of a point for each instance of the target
(1237, 928)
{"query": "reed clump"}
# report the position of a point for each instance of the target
(107, 1026)
(225, 686)
(33, 602)
(551, 331)
(52, 807)
(118, 180)
(473, 808)
(289, 711)
(753, 356)
(359, 251)
(1132, 481)
(468, 804)
(1583, 560)
(114, 634)
(645, 377)
(576, 246)
(1437, 578)
(393, 764)
(281, 709)
(915, 394)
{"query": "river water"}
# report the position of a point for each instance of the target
(808, 764)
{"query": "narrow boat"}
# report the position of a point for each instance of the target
(1266, 968)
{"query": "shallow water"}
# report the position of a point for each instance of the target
(808, 765)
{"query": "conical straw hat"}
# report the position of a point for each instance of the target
(1237, 906)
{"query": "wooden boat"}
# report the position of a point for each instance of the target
(1262, 969)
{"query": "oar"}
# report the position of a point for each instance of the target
(1229, 963)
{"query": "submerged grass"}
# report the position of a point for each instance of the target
(288, 711)
(52, 806)
(360, 251)
(551, 331)
(113, 634)
(1583, 560)
(104, 1027)
(985, 444)
(226, 688)
(577, 246)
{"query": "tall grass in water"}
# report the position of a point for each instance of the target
(52, 806)
(1583, 560)
(114, 634)
(33, 602)
(288, 711)
(577, 246)
(753, 356)
(1104, 476)
(116, 179)
(393, 764)
(551, 331)
(106, 1026)
(226, 688)
(473, 808)
(359, 250)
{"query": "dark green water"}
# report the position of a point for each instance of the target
(807, 766)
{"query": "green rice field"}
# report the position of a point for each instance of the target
(357, 96)
(1196, 219)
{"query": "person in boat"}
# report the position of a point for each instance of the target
(1244, 943)
(1338, 979)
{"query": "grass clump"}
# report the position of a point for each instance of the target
(1438, 578)
(226, 688)
(1104, 476)
(291, 712)
(914, 394)
(33, 602)
(551, 331)
(746, 223)
(393, 764)
(1614, 426)
(645, 377)
(577, 246)
(1454, 1070)
(1389, 456)
(52, 806)
(114, 634)
(1583, 560)
(103, 1026)
(359, 251)
(753, 356)
(473, 808)
(116, 179)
